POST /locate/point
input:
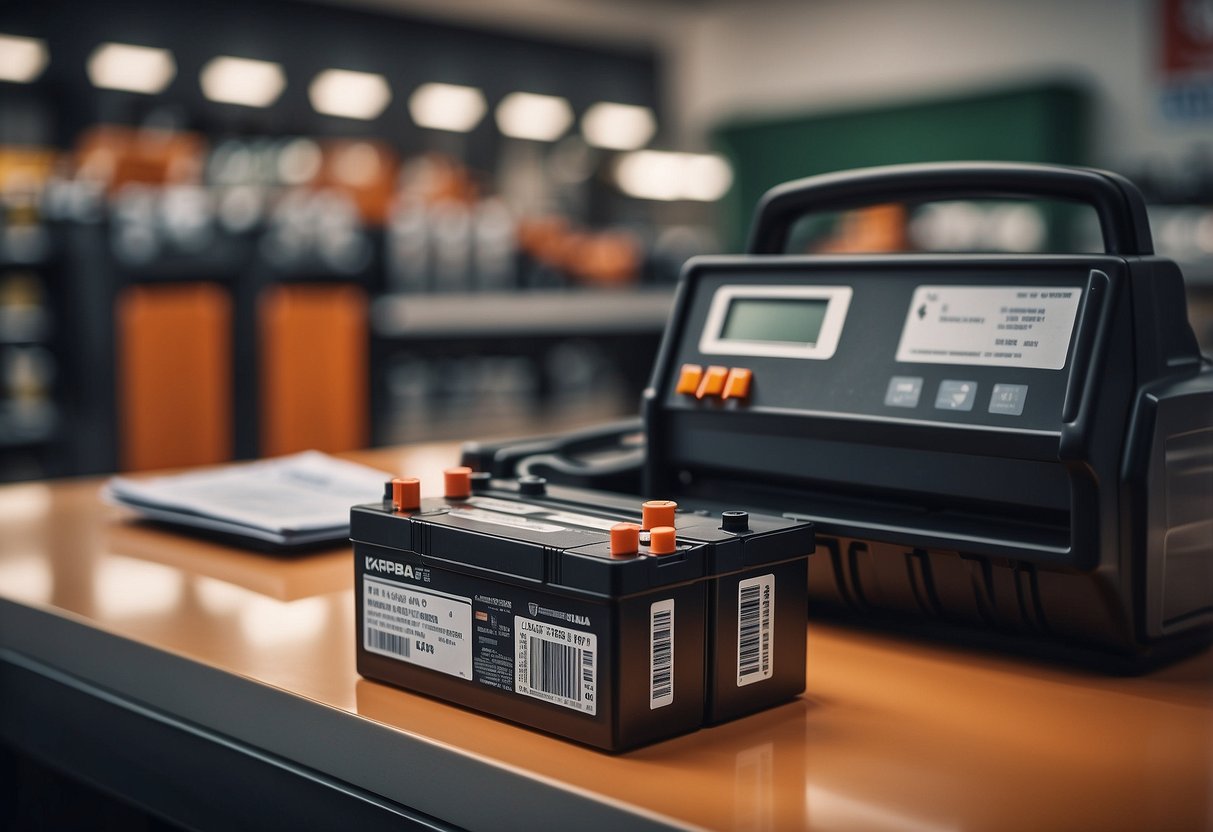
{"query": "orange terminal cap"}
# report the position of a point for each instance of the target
(662, 541)
(406, 493)
(657, 513)
(625, 539)
(457, 482)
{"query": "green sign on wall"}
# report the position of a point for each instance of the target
(1041, 123)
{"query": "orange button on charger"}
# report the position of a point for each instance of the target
(737, 385)
(713, 382)
(688, 379)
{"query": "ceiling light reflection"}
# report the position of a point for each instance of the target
(129, 588)
(22, 59)
(123, 66)
(447, 107)
(267, 623)
(527, 115)
(242, 81)
(27, 579)
(662, 175)
(618, 126)
(349, 94)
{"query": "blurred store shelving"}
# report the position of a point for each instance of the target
(200, 215)
(222, 236)
(232, 286)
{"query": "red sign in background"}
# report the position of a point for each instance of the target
(1187, 38)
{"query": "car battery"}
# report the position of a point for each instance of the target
(577, 612)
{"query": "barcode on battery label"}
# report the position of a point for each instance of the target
(556, 664)
(661, 653)
(382, 641)
(557, 668)
(755, 650)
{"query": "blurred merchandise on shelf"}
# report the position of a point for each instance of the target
(30, 416)
(116, 157)
(174, 375)
(437, 229)
(313, 371)
(192, 241)
(573, 382)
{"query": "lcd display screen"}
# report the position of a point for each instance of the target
(781, 320)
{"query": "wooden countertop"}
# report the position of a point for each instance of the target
(891, 734)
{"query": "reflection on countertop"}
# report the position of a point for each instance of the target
(892, 734)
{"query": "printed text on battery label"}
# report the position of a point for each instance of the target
(994, 326)
(421, 628)
(755, 650)
(661, 653)
(556, 664)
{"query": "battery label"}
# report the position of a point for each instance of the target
(556, 664)
(493, 504)
(498, 519)
(421, 628)
(580, 520)
(661, 653)
(537, 514)
(993, 326)
(755, 649)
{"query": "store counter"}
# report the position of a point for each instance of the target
(215, 686)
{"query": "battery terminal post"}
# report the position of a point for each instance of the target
(406, 493)
(457, 483)
(657, 513)
(662, 541)
(625, 540)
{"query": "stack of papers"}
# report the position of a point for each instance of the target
(297, 500)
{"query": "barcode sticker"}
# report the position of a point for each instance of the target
(755, 650)
(422, 628)
(556, 664)
(381, 641)
(661, 653)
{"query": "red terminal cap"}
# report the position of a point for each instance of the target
(657, 513)
(625, 540)
(662, 541)
(406, 493)
(457, 483)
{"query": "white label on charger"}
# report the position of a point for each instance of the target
(421, 628)
(993, 326)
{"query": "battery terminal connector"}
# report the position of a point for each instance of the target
(625, 540)
(406, 493)
(662, 541)
(655, 513)
(457, 483)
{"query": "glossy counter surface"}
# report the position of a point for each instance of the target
(892, 734)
